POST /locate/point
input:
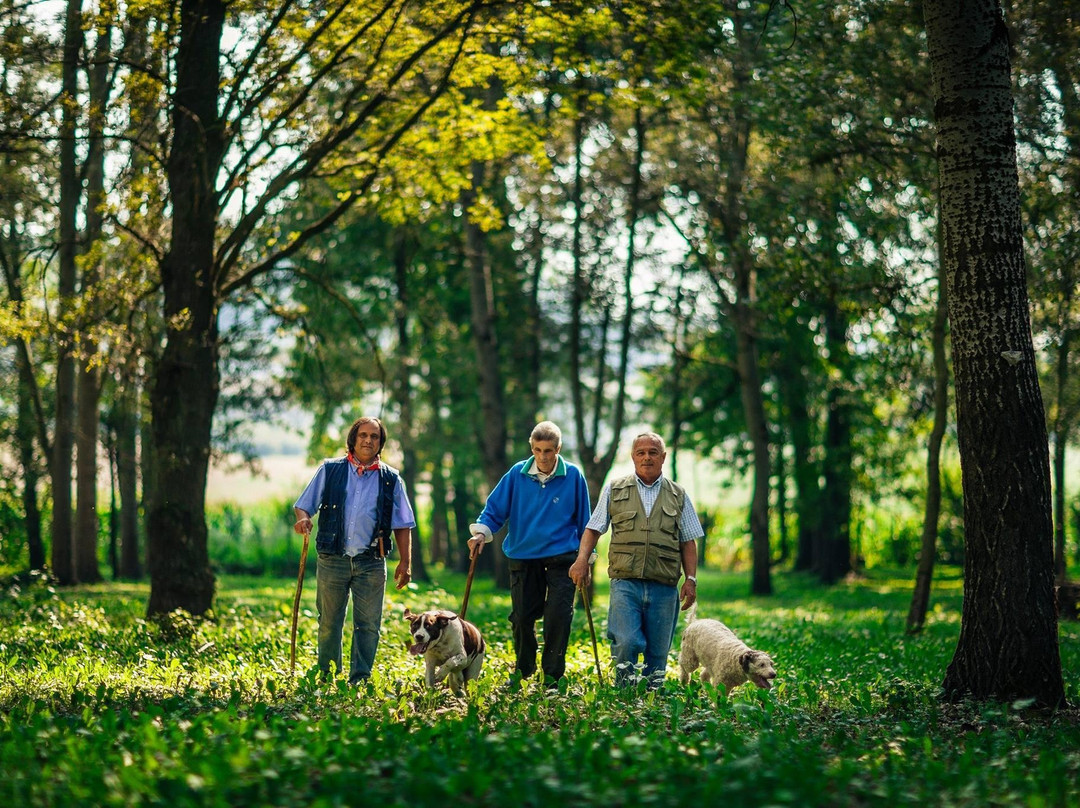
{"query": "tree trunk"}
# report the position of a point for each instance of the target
(782, 503)
(88, 380)
(464, 515)
(1062, 430)
(596, 463)
(528, 368)
(63, 534)
(754, 411)
(87, 524)
(26, 430)
(920, 597)
(834, 556)
(492, 403)
(439, 540)
(804, 469)
(678, 368)
(185, 387)
(124, 422)
(441, 545)
(1060, 517)
(746, 351)
(149, 473)
(1008, 646)
(410, 466)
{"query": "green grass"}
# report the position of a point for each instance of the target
(101, 707)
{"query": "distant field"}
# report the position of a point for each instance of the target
(287, 474)
(281, 476)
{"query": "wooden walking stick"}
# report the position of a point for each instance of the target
(592, 631)
(473, 555)
(296, 605)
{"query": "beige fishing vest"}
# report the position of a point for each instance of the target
(640, 547)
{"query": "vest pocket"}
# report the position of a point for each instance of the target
(667, 566)
(669, 520)
(623, 563)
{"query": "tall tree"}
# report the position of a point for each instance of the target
(24, 224)
(358, 77)
(1008, 647)
(723, 115)
(64, 560)
(89, 373)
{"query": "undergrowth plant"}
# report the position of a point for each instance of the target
(100, 706)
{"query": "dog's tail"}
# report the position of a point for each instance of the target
(691, 613)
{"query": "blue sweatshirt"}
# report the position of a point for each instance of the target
(546, 519)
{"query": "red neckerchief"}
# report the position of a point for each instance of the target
(361, 469)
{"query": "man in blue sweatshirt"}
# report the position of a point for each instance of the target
(545, 500)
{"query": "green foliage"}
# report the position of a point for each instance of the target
(254, 540)
(99, 706)
(12, 529)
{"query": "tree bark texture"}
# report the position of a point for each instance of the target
(1008, 646)
(185, 388)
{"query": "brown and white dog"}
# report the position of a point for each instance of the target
(722, 657)
(452, 647)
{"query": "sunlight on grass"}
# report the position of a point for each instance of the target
(99, 705)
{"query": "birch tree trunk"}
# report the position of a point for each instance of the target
(1008, 647)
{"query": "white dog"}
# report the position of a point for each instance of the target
(722, 657)
(453, 648)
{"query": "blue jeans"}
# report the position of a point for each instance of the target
(365, 577)
(641, 622)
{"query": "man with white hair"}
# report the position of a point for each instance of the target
(653, 532)
(545, 501)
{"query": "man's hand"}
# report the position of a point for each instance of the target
(303, 526)
(688, 594)
(581, 572)
(402, 575)
(476, 545)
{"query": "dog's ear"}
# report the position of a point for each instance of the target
(409, 615)
(745, 660)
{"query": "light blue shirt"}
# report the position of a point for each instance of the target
(361, 496)
(689, 524)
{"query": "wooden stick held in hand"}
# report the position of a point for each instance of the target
(296, 605)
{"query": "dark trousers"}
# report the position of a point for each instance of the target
(542, 588)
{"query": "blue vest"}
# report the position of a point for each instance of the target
(331, 535)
